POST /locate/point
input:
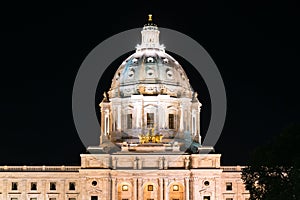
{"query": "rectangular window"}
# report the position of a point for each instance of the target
(72, 198)
(52, 198)
(206, 198)
(229, 199)
(33, 186)
(94, 197)
(150, 120)
(229, 186)
(124, 187)
(13, 198)
(33, 198)
(14, 186)
(52, 186)
(72, 186)
(129, 121)
(150, 187)
(171, 121)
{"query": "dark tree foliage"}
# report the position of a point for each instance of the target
(274, 169)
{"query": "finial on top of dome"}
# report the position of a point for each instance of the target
(150, 18)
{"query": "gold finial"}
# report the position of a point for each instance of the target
(150, 18)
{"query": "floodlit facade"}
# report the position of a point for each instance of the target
(150, 145)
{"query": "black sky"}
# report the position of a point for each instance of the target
(254, 44)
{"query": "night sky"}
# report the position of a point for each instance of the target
(254, 44)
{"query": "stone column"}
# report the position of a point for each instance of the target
(161, 189)
(140, 188)
(187, 188)
(166, 194)
(113, 188)
(119, 118)
(138, 109)
(181, 119)
(134, 189)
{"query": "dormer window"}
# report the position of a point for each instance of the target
(131, 73)
(135, 61)
(169, 74)
(150, 60)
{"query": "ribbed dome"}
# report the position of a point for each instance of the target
(150, 71)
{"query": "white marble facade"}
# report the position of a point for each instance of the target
(150, 94)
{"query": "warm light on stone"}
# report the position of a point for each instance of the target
(149, 117)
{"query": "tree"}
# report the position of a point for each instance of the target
(274, 169)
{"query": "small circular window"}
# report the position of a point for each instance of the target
(94, 183)
(206, 183)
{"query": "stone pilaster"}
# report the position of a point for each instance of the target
(140, 188)
(161, 190)
(187, 188)
(166, 184)
(134, 189)
(113, 188)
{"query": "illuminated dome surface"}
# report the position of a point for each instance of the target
(150, 70)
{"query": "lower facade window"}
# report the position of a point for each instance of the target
(206, 198)
(124, 187)
(72, 186)
(175, 188)
(52, 186)
(229, 186)
(33, 186)
(94, 197)
(14, 186)
(150, 187)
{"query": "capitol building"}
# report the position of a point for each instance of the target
(150, 144)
